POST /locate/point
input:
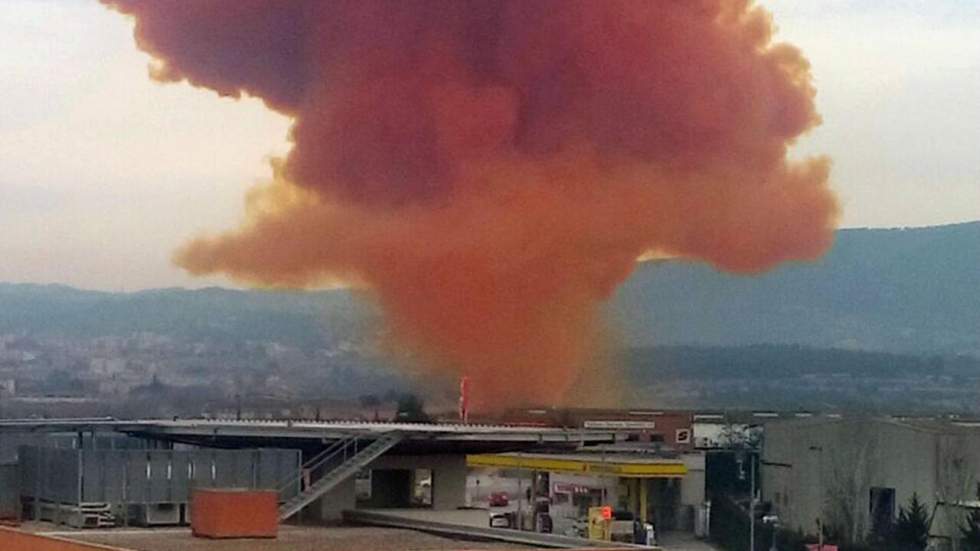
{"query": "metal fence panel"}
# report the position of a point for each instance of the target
(9, 490)
(137, 482)
(119, 476)
(180, 480)
(161, 475)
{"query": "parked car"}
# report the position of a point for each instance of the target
(499, 499)
(504, 519)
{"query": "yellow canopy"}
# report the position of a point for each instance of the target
(581, 465)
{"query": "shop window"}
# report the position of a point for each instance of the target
(422, 488)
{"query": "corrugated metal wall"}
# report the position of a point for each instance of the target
(151, 476)
(9, 490)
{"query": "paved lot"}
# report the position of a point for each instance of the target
(670, 541)
(303, 538)
(290, 538)
(678, 541)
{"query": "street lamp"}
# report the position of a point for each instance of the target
(741, 459)
(773, 521)
(819, 450)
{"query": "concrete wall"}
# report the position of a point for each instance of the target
(448, 475)
(826, 468)
(336, 501)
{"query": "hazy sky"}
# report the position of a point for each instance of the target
(103, 172)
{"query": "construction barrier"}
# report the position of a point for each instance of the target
(16, 540)
(234, 513)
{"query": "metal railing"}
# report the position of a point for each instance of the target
(344, 460)
(339, 448)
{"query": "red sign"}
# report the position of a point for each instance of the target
(607, 512)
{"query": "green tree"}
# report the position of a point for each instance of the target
(970, 531)
(912, 528)
(411, 409)
(882, 533)
(370, 401)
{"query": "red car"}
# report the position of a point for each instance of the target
(499, 499)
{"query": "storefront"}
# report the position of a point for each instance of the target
(667, 492)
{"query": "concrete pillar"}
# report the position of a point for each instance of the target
(449, 482)
(692, 488)
(644, 498)
(692, 485)
(336, 501)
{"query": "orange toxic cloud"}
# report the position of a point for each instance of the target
(491, 169)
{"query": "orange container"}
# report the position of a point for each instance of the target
(233, 513)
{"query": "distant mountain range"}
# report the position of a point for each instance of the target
(892, 290)
(304, 319)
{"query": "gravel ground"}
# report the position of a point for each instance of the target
(290, 539)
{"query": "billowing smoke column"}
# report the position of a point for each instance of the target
(492, 169)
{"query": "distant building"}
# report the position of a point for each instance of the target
(671, 429)
(849, 473)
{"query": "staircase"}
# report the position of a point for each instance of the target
(351, 460)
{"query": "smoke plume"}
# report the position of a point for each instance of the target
(492, 169)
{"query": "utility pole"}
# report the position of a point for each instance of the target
(819, 535)
(752, 502)
(819, 450)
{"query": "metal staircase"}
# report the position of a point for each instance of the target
(349, 460)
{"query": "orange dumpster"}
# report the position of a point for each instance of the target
(234, 513)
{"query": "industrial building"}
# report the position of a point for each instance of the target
(103, 472)
(844, 473)
(107, 472)
(669, 429)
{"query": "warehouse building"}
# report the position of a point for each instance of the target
(846, 473)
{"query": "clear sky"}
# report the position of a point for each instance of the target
(103, 172)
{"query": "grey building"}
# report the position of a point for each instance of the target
(844, 473)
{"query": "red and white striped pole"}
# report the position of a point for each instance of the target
(464, 399)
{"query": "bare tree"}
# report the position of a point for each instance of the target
(845, 480)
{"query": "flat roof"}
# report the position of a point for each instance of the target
(310, 435)
(347, 427)
(343, 429)
(418, 438)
